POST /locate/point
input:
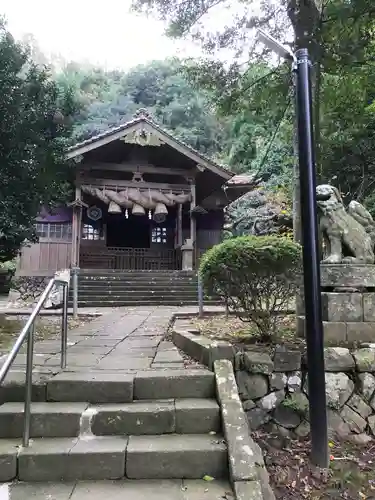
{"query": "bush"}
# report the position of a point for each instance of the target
(257, 275)
(10, 266)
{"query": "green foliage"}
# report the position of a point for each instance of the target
(10, 266)
(258, 276)
(340, 36)
(108, 98)
(34, 133)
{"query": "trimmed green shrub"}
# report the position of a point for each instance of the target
(258, 276)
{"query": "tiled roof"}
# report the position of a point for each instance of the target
(143, 116)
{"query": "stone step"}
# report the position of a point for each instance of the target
(106, 387)
(140, 290)
(182, 416)
(138, 276)
(128, 293)
(100, 280)
(131, 303)
(47, 419)
(115, 457)
(114, 285)
(126, 489)
(137, 299)
(174, 457)
(128, 272)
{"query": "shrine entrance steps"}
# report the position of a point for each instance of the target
(128, 406)
(103, 288)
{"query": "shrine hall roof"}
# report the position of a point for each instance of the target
(143, 117)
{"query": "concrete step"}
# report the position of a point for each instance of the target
(106, 387)
(98, 458)
(182, 416)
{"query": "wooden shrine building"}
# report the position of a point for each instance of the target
(143, 201)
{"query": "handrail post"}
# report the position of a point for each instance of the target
(200, 297)
(28, 387)
(64, 325)
(75, 271)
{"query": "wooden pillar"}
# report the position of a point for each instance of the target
(179, 226)
(76, 228)
(73, 259)
(193, 222)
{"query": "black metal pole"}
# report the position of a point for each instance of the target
(311, 264)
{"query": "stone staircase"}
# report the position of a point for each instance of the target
(106, 425)
(103, 288)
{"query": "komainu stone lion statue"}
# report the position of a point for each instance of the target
(348, 235)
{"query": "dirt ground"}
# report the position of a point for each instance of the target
(244, 334)
(351, 474)
(45, 328)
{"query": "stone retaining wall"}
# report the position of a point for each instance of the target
(272, 384)
(273, 389)
(27, 289)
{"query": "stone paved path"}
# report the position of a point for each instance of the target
(119, 490)
(123, 340)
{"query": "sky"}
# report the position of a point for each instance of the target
(102, 33)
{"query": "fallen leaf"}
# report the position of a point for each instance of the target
(208, 478)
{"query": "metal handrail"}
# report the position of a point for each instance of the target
(28, 332)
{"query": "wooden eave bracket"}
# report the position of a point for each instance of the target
(77, 203)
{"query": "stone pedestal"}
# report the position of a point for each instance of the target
(187, 251)
(348, 304)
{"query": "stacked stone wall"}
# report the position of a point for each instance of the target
(274, 391)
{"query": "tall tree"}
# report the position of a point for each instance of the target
(34, 133)
(340, 37)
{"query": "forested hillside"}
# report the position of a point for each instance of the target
(109, 98)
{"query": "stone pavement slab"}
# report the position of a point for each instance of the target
(125, 363)
(93, 387)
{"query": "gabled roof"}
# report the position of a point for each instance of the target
(143, 120)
